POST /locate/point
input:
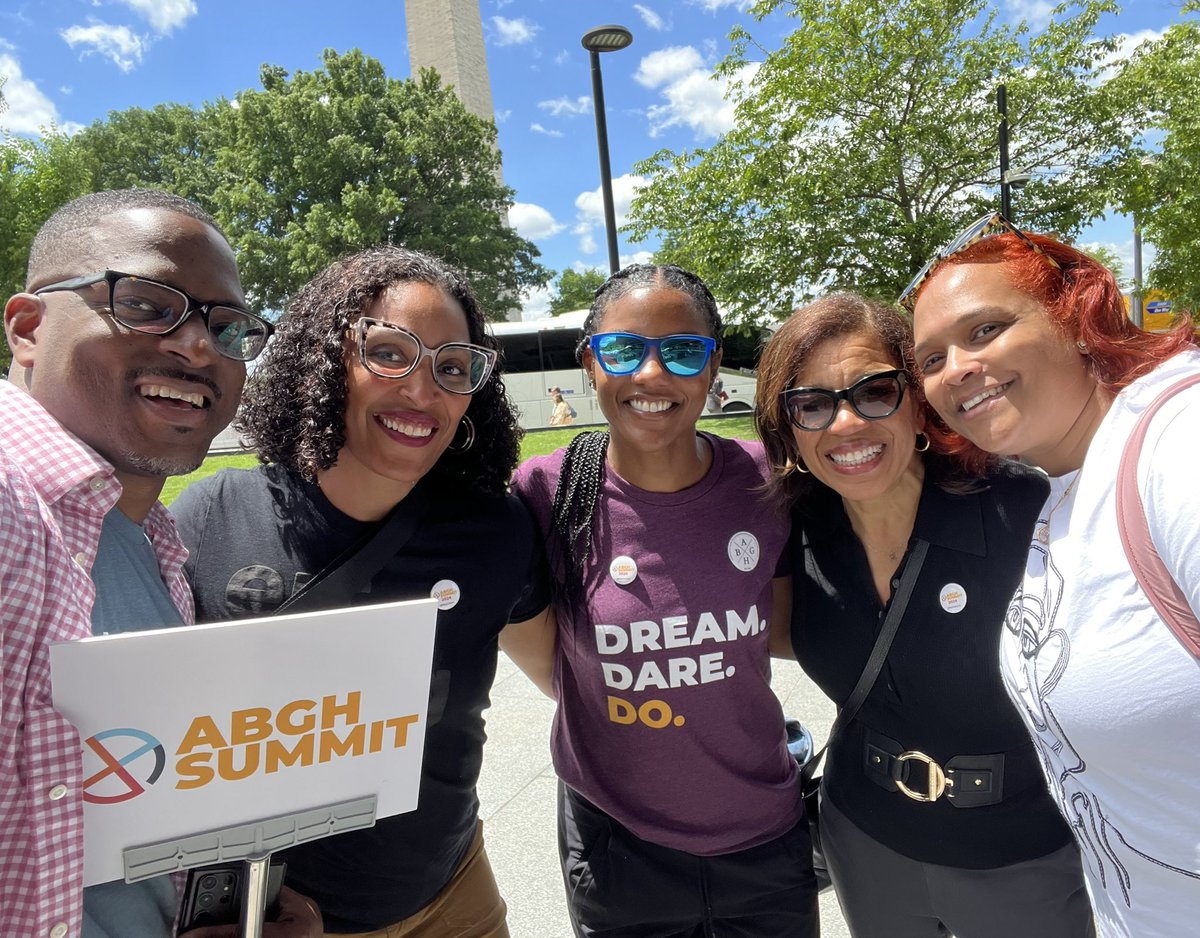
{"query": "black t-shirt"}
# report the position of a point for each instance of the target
(940, 691)
(256, 536)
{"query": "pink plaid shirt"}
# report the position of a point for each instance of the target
(54, 494)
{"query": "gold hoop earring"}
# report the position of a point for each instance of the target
(464, 424)
(800, 468)
(922, 438)
(1082, 346)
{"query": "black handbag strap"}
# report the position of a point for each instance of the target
(344, 577)
(883, 644)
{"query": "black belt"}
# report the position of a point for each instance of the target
(965, 781)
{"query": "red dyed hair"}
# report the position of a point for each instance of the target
(1083, 301)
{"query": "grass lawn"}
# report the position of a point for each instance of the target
(536, 443)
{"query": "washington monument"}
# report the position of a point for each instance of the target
(447, 35)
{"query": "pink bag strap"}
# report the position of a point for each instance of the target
(1152, 574)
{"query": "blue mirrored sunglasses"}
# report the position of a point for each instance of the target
(624, 353)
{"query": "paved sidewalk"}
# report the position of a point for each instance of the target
(517, 795)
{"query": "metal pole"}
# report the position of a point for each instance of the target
(610, 219)
(254, 894)
(1135, 299)
(1005, 190)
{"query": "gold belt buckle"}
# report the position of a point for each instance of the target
(937, 778)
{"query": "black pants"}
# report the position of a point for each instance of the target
(620, 886)
(886, 895)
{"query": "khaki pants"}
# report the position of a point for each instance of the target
(469, 907)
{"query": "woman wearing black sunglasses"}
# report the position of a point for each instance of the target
(679, 809)
(934, 816)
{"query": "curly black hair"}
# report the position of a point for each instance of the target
(293, 409)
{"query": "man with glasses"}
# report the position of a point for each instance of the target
(129, 346)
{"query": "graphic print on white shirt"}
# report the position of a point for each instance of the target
(1045, 656)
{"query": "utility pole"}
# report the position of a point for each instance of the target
(1005, 190)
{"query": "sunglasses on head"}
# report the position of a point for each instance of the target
(973, 233)
(873, 398)
(624, 353)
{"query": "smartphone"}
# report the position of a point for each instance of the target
(213, 894)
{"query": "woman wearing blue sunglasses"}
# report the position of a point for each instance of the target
(679, 806)
(934, 816)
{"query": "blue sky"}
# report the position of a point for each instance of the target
(72, 61)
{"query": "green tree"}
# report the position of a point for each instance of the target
(36, 177)
(574, 290)
(320, 163)
(1161, 182)
(869, 137)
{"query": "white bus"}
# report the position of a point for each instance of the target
(540, 355)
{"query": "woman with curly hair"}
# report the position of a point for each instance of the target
(679, 809)
(378, 396)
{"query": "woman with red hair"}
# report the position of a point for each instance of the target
(1025, 349)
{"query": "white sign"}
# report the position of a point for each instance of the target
(187, 730)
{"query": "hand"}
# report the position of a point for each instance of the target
(298, 917)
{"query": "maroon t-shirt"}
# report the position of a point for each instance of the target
(666, 718)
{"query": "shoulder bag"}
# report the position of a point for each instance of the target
(809, 780)
(1148, 568)
(344, 577)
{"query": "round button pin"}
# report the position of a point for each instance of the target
(447, 594)
(623, 570)
(953, 598)
(743, 551)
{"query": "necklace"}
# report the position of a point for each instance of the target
(1043, 529)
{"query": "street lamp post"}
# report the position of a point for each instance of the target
(1136, 301)
(597, 40)
(1005, 192)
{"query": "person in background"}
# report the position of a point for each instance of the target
(129, 345)
(380, 395)
(679, 805)
(1025, 348)
(562, 415)
(934, 815)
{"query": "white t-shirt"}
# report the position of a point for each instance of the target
(1110, 695)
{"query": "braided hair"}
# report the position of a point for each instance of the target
(582, 472)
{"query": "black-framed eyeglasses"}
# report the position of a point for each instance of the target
(873, 398)
(155, 308)
(624, 353)
(391, 351)
(974, 232)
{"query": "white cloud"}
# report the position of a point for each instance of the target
(29, 110)
(1035, 12)
(502, 116)
(118, 43)
(560, 106)
(1127, 44)
(589, 209)
(163, 15)
(650, 18)
(514, 32)
(535, 303)
(712, 6)
(637, 257)
(668, 65)
(694, 98)
(532, 221)
(562, 58)
(539, 129)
